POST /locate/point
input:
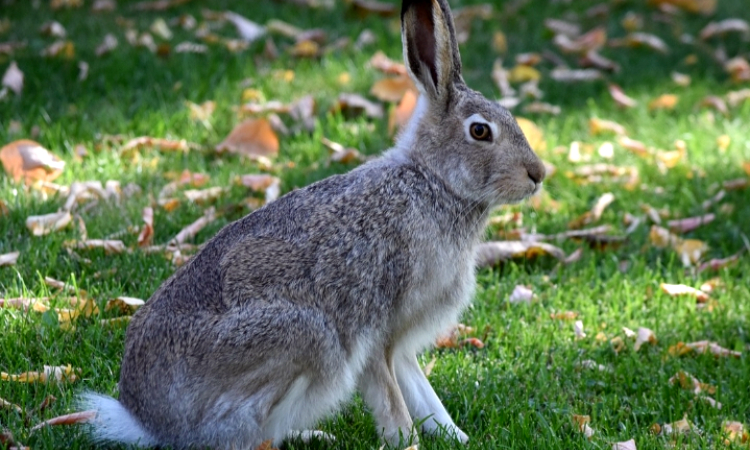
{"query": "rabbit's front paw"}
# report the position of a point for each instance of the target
(398, 439)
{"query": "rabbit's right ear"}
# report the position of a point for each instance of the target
(430, 47)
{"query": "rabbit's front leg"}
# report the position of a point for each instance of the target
(422, 401)
(381, 392)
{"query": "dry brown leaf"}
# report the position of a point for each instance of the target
(57, 4)
(522, 73)
(677, 290)
(738, 69)
(627, 445)
(203, 196)
(110, 246)
(104, 6)
(689, 382)
(637, 147)
(191, 230)
(50, 373)
(253, 138)
(45, 224)
(162, 144)
(126, 305)
(109, 44)
(67, 419)
(689, 223)
(705, 7)
(640, 39)
(735, 98)
(402, 113)
(541, 108)
(13, 78)
(341, 154)
(491, 253)
(713, 348)
(716, 264)
(62, 48)
(594, 59)
(157, 5)
(619, 96)
(5, 404)
(381, 62)
(575, 75)
(644, 335)
(735, 431)
(365, 8)
(392, 89)
(9, 259)
(147, 232)
(352, 105)
(305, 49)
(582, 423)
(591, 40)
(29, 160)
(691, 251)
(558, 26)
(521, 294)
(598, 126)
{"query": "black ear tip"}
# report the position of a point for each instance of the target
(406, 5)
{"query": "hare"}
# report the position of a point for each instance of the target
(330, 289)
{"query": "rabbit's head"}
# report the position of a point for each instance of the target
(472, 143)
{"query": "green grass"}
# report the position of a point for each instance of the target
(521, 389)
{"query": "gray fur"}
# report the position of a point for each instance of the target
(330, 289)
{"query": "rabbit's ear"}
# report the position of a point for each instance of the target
(430, 47)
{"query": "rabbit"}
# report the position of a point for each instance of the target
(332, 288)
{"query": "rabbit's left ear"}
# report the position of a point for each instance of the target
(430, 47)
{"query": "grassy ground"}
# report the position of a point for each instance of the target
(522, 388)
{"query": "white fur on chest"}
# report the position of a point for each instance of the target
(444, 286)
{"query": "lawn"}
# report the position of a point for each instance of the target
(534, 373)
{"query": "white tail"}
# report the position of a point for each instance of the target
(113, 423)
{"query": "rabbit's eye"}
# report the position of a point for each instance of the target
(480, 132)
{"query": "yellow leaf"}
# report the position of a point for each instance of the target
(665, 101)
(523, 73)
(533, 134)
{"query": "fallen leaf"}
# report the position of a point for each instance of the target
(191, 230)
(644, 335)
(365, 8)
(253, 138)
(617, 344)
(157, 5)
(665, 101)
(735, 98)
(5, 404)
(62, 48)
(147, 232)
(521, 294)
(306, 49)
(402, 113)
(67, 419)
(108, 45)
(578, 329)
(575, 75)
(352, 105)
(45, 224)
(735, 431)
(681, 79)
(13, 78)
(162, 144)
(126, 305)
(9, 259)
(541, 108)
(341, 154)
(490, 253)
(582, 423)
(716, 264)
(564, 315)
(619, 96)
(689, 382)
(677, 290)
(52, 28)
(591, 40)
(700, 347)
(110, 246)
(533, 134)
(637, 147)
(381, 62)
(50, 373)
(598, 126)
(558, 26)
(392, 89)
(594, 59)
(29, 160)
(203, 196)
(691, 251)
(738, 68)
(627, 445)
(640, 39)
(104, 6)
(690, 223)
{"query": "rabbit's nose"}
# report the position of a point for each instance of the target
(536, 171)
